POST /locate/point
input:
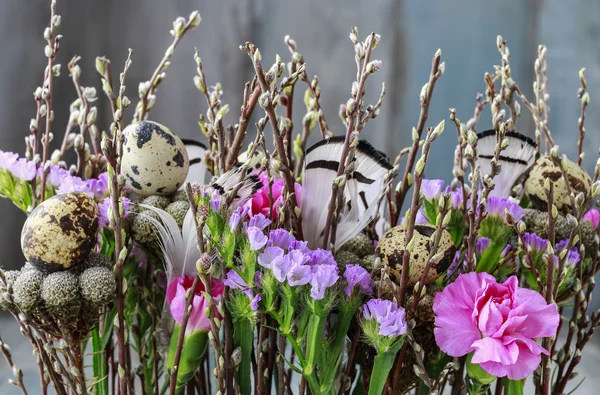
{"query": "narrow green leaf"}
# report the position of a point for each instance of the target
(100, 375)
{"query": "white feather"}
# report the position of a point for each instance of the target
(178, 246)
(514, 160)
(196, 154)
(361, 193)
(230, 181)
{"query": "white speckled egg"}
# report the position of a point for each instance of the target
(155, 161)
(61, 231)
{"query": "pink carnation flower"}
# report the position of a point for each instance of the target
(499, 322)
(260, 202)
(176, 291)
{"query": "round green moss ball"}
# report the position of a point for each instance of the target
(360, 245)
(61, 290)
(98, 260)
(178, 210)
(98, 285)
(157, 201)
(27, 288)
(143, 229)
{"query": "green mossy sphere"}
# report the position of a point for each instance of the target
(60, 290)
(98, 260)
(10, 276)
(360, 245)
(178, 210)
(367, 262)
(98, 285)
(344, 258)
(27, 266)
(156, 201)
(27, 289)
(142, 228)
(179, 196)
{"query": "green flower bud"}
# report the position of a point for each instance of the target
(98, 285)
(26, 289)
(178, 210)
(61, 290)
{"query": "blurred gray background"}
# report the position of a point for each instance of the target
(411, 32)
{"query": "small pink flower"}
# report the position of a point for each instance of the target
(499, 322)
(260, 202)
(176, 291)
(593, 216)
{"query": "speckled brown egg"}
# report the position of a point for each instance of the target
(544, 168)
(60, 232)
(155, 161)
(392, 246)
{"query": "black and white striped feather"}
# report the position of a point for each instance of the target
(515, 160)
(363, 189)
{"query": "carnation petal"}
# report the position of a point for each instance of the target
(542, 318)
(490, 349)
(524, 367)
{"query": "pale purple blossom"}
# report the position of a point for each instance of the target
(456, 197)
(259, 221)
(280, 238)
(104, 220)
(388, 315)
(7, 159)
(357, 275)
(256, 237)
(215, 203)
(482, 244)
(299, 272)
(255, 301)
(535, 242)
(323, 277)
(281, 267)
(266, 258)
(98, 186)
(299, 245)
(74, 184)
(497, 206)
(321, 257)
(234, 221)
(432, 189)
(23, 169)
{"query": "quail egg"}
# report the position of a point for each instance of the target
(61, 231)
(392, 246)
(155, 161)
(545, 167)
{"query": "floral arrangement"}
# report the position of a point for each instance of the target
(168, 265)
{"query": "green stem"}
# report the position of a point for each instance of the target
(100, 375)
(476, 388)
(333, 354)
(513, 387)
(381, 368)
(244, 336)
(314, 346)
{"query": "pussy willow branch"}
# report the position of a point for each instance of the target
(425, 100)
(114, 158)
(278, 136)
(180, 28)
(51, 51)
(352, 116)
(18, 373)
(246, 113)
(459, 171)
(546, 361)
(584, 97)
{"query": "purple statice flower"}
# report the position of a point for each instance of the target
(456, 197)
(497, 206)
(388, 315)
(561, 245)
(572, 257)
(280, 238)
(235, 281)
(7, 159)
(139, 256)
(234, 221)
(98, 186)
(357, 275)
(215, 203)
(266, 258)
(419, 219)
(454, 264)
(23, 169)
(281, 266)
(535, 242)
(104, 220)
(321, 257)
(299, 245)
(256, 237)
(254, 302)
(432, 189)
(74, 184)
(300, 272)
(259, 221)
(56, 175)
(323, 277)
(482, 244)
(593, 216)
